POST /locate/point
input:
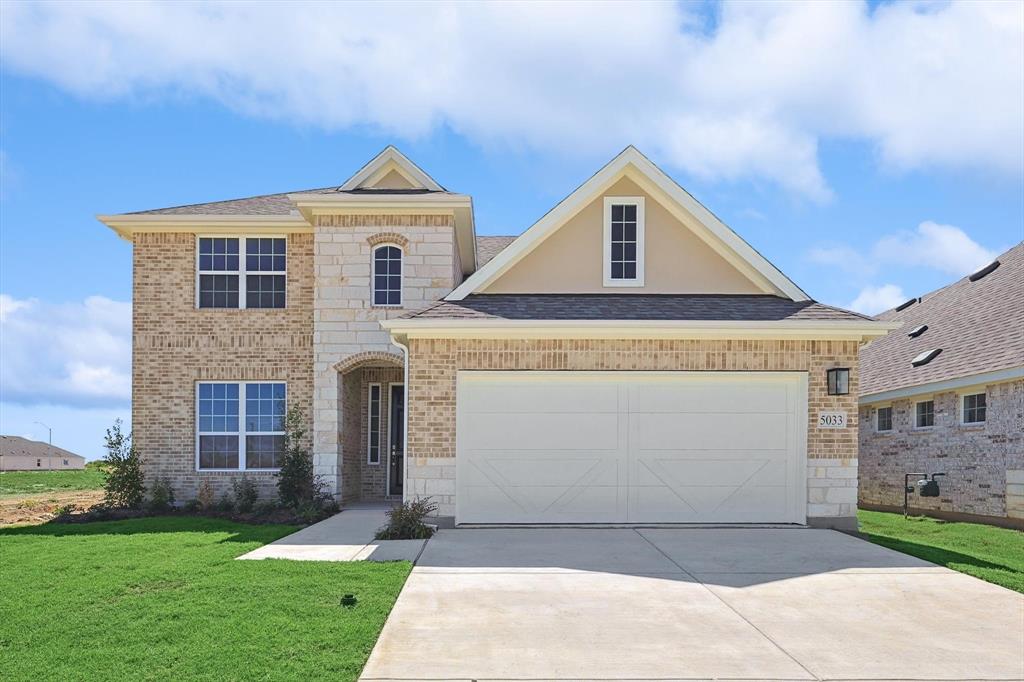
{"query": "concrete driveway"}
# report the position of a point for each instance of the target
(762, 604)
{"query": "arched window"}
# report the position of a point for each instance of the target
(387, 275)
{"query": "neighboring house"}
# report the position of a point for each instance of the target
(627, 359)
(22, 454)
(945, 393)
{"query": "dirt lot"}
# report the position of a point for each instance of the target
(39, 508)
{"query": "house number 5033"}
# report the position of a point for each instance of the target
(832, 420)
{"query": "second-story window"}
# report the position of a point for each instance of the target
(623, 241)
(387, 275)
(229, 279)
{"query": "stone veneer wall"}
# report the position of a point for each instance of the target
(344, 320)
(981, 462)
(175, 345)
(832, 453)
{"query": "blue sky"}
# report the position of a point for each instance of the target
(877, 161)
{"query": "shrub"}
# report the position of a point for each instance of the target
(405, 522)
(63, 511)
(161, 496)
(124, 485)
(205, 495)
(297, 485)
(245, 494)
(225, 504)
(265, 508)
(192, 506)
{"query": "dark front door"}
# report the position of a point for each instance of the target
(396, 440)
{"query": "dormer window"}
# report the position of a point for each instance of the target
(623, 241)
(387, 275)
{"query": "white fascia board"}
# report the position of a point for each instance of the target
(588, 191)
(126, 225)
(391, 154)
(682, 329)
(945, 385)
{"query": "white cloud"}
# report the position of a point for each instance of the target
(75, 354)
(942, 247)
(931, 85)
(945, 248)
(873, 300)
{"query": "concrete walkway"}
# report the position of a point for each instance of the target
(346, 536)
(761, 604)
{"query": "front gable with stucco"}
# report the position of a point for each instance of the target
(627, 359)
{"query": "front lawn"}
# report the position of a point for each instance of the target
(20, 483)
(163, 598)
(986, 552)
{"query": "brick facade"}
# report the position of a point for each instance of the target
(978, 459)
(176, 345)
(434, 363)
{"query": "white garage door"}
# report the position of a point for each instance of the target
(631, 447)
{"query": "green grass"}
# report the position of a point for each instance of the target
(986, 552)
(19, 483)
(162, 598)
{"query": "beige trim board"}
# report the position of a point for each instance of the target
(402, 329)
(390, 159)
(125, 225)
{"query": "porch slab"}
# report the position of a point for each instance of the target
(346, 536)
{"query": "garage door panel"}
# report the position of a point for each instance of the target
(706, 468)
(707, 396)
(536, 431)
(714, 431)
(518, 468)
(619, 447)
(524, 396)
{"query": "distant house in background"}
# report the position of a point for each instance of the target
(21, 454)
(945, 393)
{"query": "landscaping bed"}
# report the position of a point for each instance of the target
(163, 598)
(987, 552)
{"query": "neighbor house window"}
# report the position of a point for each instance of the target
(242, 272)
(623, 241)
(240, 425)
(373, 425)
(925, 414)
(387, 275)
(885, 419)
(974, 408)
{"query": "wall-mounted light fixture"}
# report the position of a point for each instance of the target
(839, 381)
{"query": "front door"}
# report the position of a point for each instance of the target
(396, 449)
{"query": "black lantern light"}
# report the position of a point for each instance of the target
(839, 381)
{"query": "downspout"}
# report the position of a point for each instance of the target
(405, 418)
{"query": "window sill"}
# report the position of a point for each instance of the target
(972, 426)
(380, 306)
(623, 284)
(238, 471)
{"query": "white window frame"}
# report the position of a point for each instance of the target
(241, 272)
(610, 201)
(241, 433)
(918, 402)
(373, 277)
(369, 422)
(963, 410)
(892, 418)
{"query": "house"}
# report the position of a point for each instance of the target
(22, 454)
(628, 358)
(945, 393)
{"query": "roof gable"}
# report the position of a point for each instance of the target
(388, 170)
(631, 164)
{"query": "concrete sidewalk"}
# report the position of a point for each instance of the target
(346, 536)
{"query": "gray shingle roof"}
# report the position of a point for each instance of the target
(487, 247)
(978, 325)
(11, 446)
(266, 204)
(705, 307)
